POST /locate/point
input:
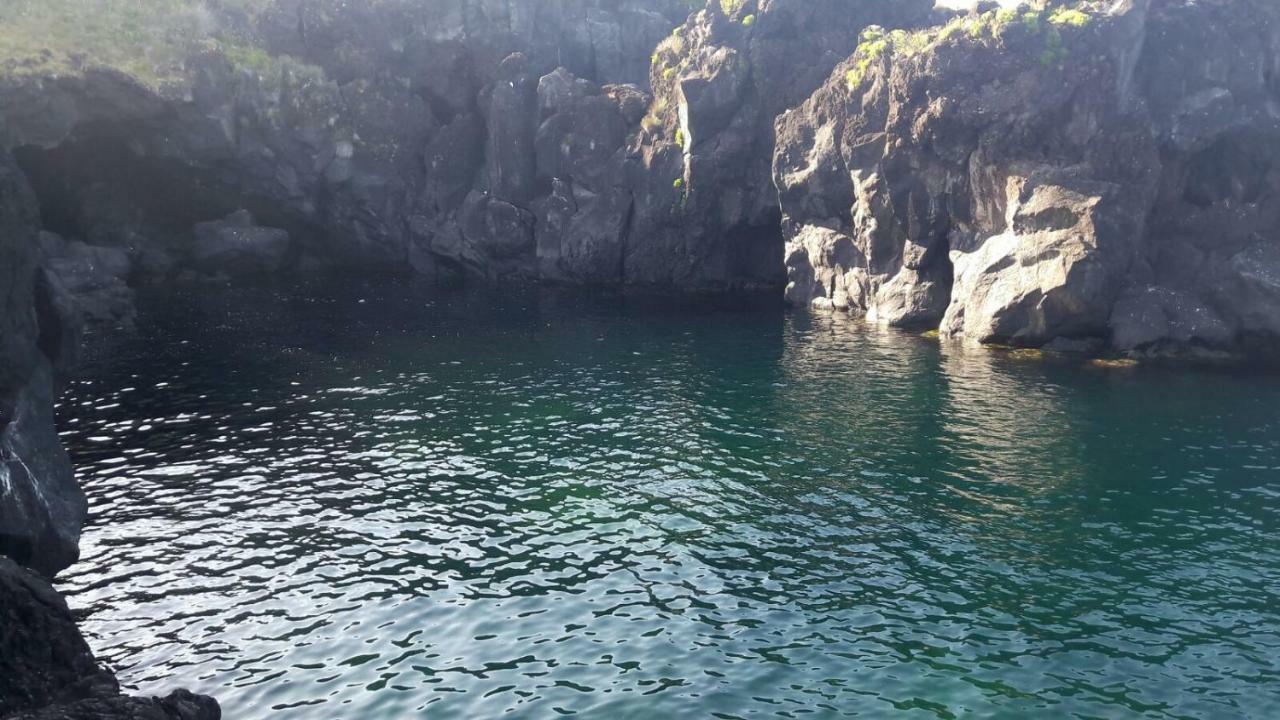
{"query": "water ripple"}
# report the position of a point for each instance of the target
(566, 504)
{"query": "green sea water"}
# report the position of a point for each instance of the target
(398, 503)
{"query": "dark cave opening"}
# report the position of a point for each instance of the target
(104, 186)
(755, 254)
(96, 188)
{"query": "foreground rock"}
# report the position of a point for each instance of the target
(46, 669)
(41, 506)
(1064, 176)
(47, 672)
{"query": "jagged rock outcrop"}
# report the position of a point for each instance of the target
(437, 43)
(680, 195)
(706, 208)
(46, 669)
(1017, 176)
(1082, 175)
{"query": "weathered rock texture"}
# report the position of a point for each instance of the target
(1101, 175)
(1105, 175)
(47, 672)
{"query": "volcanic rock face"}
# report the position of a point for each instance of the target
(392, 134)
(1017, 176)
(442, 136)
(1024, 177)
(706, 210)
(1104, 174)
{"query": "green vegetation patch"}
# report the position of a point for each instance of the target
(993, 26)
(873, 47)
(147, 39)
(1070, 17)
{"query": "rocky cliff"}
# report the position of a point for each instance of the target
(386, 135)
(1091, 174)
(1096, 176)
(294, 136)
(41, 507)
(1099, 175)
(498, 139)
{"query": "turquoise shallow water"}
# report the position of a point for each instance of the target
(390, 504)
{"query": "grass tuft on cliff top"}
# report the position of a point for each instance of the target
(148, 39)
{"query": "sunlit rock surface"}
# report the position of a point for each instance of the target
(1033, 176)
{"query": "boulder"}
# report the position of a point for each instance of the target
(95, 277)
(235, 246)
(1055, 271)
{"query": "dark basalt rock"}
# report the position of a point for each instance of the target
(1107, 178)
(41, 507)
(178, 705)
(371, 124)
(43, 658)
(47, 672)
(1037, 179)
(93, 277)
